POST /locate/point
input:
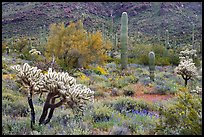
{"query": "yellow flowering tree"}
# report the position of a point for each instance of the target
(74, 47)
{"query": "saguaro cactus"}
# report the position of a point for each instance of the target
(116, 40)
(193, 36)
(124, 39)
(166, 44)
(151, 64)
(167, 39)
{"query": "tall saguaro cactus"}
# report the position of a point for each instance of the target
(116, 40)
(167, 39)
(124, 39)
(151, 64)
(166, 44)
(193, 36)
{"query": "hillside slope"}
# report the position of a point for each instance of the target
(148, 18)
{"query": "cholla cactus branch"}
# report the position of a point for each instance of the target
(197, 90)
(186, 54)
(34, 52)
(57, 85)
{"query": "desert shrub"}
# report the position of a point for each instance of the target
(128, 90)
(115, 92)
(4, 65)
(127, 104)
(4, 47)
(120, 130)
(143, 105)
(14, 106)
(197, 61)
(173, 57)
(140, 123)
(65, 124)
(99, 93)
(83, 79)
(182, 118)
(139, 54)
(143, 59)
(22, 47)
(123, 104)
(102, 113)
(104, 85)
(111, 66)
(162, 61)
(45, 65)
(122, 81)
(13, 126)
(132, 60)
(158, 50)
(4, 72)
(161, 89)
(99, 78)
(13, 103)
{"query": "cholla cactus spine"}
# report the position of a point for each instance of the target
(124, 39)
(151, 64)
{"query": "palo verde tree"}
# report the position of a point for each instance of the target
(74, 47)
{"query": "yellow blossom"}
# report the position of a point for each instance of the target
(84, 77)
(103, 72)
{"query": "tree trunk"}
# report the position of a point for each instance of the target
(30, 102)
(186, 80)
(51, 110)
(45, 109)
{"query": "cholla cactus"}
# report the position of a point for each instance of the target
(197, 90)
(56, 85)
(186, 69)
(186, 54)
(29, 77)
(34, 52)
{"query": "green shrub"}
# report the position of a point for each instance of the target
(4, 65)
(158, 50)
(197, 62)
(12, 126)
(123, 104)
(128, 91)
(114, 92)
(99, 93)
(182, 118)
(173, 57)
(15, 108)
(143, 59)
(162, 61)
(13, 103)
(120, 130)
(102, 113)
(122, 81)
